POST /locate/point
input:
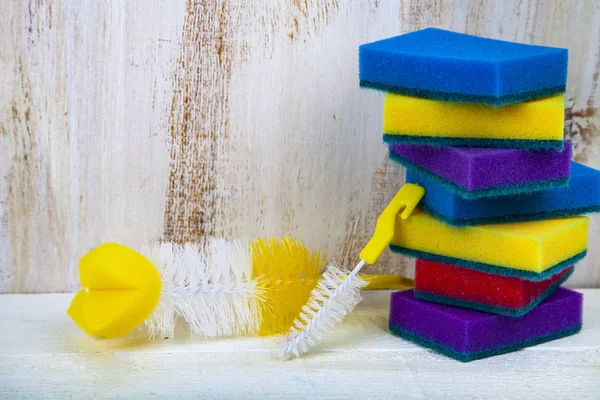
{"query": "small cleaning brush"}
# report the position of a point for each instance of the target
(338, 292)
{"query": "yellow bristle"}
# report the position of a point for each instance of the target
(288, 273)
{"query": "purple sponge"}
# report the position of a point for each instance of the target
(469, 335)
(485, 172)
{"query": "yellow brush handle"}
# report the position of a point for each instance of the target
(405, 200)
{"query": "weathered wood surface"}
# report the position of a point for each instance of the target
(150, 120)
(43, 354)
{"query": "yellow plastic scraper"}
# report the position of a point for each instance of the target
(121, 288)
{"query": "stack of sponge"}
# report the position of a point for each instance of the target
(479, 124)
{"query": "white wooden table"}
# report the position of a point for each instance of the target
(44, 355)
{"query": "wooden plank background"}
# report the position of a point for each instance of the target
(149, 120)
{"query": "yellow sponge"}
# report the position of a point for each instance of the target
(406, 119)
(532, 250)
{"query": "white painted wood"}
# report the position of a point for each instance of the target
(44, 355)
(84, 155)
(144, 120)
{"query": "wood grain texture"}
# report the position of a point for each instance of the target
(43, 354)
(141, 120)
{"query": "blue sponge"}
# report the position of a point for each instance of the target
(451, 66)
(580, 197)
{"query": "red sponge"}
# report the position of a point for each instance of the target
(463, 287)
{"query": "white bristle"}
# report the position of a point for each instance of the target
(210, 286)
(335, 296)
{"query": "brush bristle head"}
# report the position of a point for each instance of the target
(335, 296)
(209, 285)
(287, 273)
